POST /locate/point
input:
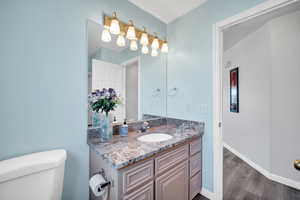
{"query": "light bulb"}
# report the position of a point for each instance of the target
(131, 32)
(133, 45)
(154, 52)
(114, 25)
(165, 47)
(105, 36)
(145, 49)
(144, 39)
(155, 43)
(121, 40)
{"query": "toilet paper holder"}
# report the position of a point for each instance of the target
(106, 183)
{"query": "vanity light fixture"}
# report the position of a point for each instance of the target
(121, 40)
(145, 49)
(114, 25)
(144, 38)
(105, 36)
(155, 42)
(131, 31)
(154, 52)
(164, 48)
(133, 45)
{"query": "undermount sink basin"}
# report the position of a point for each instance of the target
(155, 137)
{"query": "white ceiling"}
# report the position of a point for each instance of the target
(167, 10)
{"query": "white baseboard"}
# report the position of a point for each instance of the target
(266, 173)
(208, 194)
(247, 160)
(285, 181)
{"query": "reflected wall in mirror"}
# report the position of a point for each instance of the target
(138, 79)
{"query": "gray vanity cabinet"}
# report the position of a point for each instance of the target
(174, 184)
(173, 174)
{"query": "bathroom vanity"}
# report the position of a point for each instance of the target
(163, 163)
(167, 170)
(142, 166)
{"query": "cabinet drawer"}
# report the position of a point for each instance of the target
(195, 185)
(170, 159)
(195, 146)
(173, 185)
(137, 175)
(143, 193)
(195, 163)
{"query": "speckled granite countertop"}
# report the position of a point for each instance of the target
(123, 151)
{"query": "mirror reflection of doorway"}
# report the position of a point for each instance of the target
(132, 89)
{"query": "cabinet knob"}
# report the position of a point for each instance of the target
(297, 164)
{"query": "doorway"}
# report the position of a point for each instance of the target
(220, 64)
(132, 88)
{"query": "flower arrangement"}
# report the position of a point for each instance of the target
(104, 100)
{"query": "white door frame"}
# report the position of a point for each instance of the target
(218, 29)
(138, 59)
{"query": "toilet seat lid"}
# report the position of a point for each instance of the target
(31, 163)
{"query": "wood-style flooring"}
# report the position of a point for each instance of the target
(200, 197)
(242, 182)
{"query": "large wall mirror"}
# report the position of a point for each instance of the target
(138, 79)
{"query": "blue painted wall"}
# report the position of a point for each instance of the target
(153, 78)
(190, 68)
(43, 75)
(43, 78)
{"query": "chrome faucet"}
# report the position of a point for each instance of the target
(144, 127)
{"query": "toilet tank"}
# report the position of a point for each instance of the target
(37, 176)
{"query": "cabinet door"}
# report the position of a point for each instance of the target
(173, 184)
(144, 193)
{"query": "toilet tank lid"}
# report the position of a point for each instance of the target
(31, 163)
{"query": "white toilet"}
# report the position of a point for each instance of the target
(37, 176)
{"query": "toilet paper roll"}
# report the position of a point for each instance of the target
(95, 183)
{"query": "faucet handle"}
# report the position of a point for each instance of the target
(146, 124)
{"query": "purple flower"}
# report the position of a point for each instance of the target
(110, 90)
(104, 100)
(101, 93)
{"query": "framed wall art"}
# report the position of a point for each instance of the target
(234, 90)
